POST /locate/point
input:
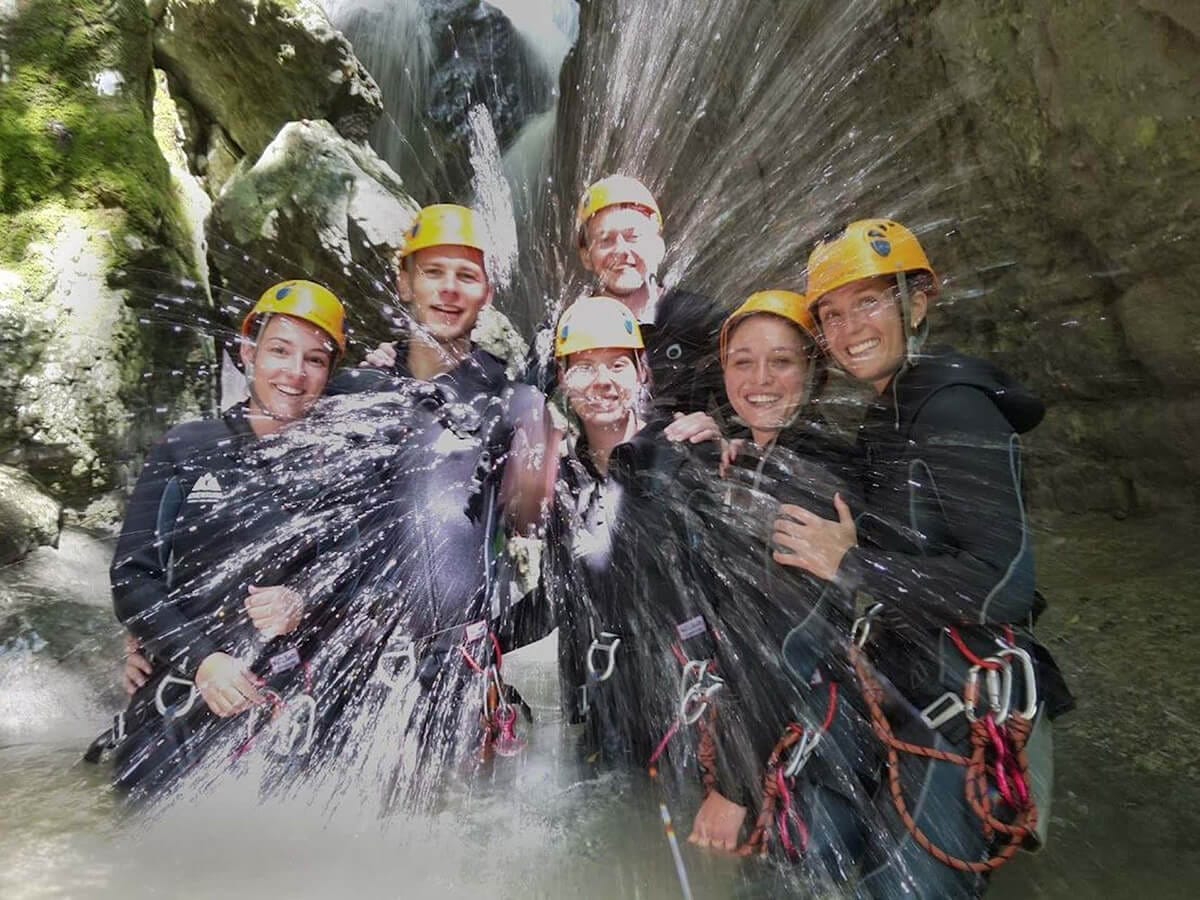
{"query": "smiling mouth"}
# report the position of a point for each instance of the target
(862, 348)
(289, 391)
(759, 400)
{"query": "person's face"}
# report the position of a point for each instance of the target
(766, 372)
(863, 328)
(446, 288)
(289, 365)
(624, 247)
(601, 385)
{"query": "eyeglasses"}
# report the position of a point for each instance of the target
(868, 305)
(583, 375)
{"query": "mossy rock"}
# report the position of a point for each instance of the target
(92, 234)
(251, 66)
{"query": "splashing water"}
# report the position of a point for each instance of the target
(748, 176)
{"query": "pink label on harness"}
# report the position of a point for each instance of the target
(288, 659)
(691, 628)
(477, 631)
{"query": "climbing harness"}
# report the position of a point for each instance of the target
(787, 760)
(291, 724)
(999, 734)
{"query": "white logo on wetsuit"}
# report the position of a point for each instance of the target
(206, 490)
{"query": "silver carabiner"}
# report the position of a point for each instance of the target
(606, 643)
(1029, 675)
(999, 684)
(860, 631)
(177, 710)
(390, 674)
(307, 704)
(694, 698)
(803, 750)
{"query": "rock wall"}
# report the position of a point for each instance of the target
(1046, 150)
(90, 226)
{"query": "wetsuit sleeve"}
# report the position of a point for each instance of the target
(979, 569)
(141, 594)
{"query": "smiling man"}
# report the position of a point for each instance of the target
(619, 232)
(469, 459)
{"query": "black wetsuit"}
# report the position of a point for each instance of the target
(209, 517)
(431, 579)
(943, 542)
(619, 566)
(681, 350)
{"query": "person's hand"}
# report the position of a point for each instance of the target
(729, 454)
(806, 541)
(718, 823)
(382, 357)
(694, 428)
(136, 669)
(227, 685)
(274, 610)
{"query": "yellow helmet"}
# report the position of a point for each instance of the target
(305, 300)
(614, 190)
(867, 249)
(595, 323)
(444, 224)
(785, 304)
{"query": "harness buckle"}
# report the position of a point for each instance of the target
(607, 643)
(293, 725)
(178, 709)
(942, 710)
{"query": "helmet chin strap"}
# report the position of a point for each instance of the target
(914, 338)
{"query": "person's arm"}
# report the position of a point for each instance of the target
(527, 484)
(983, 572)
(141, 595)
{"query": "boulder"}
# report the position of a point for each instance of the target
(318, 206)
(250, 67)
(28, 518)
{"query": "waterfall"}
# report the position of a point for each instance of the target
(392, 39)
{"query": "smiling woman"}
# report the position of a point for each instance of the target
(199, 617)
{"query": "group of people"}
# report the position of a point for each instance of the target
(833, 640)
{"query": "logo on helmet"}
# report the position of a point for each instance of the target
(629, 326)
(566, 329)
(282, 292)
(879, 241)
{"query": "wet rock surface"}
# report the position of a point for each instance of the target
(251, 67)
(90, 227)
(1045, 151)
(314, 205)
(28, 518)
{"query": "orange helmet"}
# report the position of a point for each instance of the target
(614, 190)
(596, 323)
(785, 304)
(305, 300)
(444, 224)
(868, 248)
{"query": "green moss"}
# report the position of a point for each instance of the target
(61, 140)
